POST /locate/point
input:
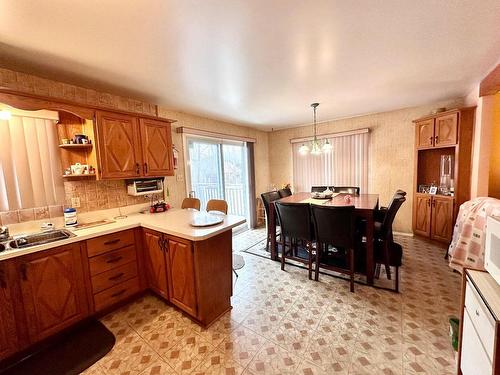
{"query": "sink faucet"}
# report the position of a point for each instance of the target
(4, 233)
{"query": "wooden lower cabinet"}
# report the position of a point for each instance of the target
(9, 341)
(182, 275)
(442, 219)
(422, 219)
(53, 290)
(155, 262)
(196, 274)
(433, 216)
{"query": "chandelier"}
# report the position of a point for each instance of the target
(316, 146)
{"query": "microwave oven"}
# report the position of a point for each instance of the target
(492, 247)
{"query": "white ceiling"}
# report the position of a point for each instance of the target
(259, 62)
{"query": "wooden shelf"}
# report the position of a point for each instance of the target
(77, 146)
(78, 176)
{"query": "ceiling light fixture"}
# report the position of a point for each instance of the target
(316, 147)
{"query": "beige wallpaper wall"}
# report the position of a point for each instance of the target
(390, 165)
(261, 149)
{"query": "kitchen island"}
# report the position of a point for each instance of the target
(50, 287)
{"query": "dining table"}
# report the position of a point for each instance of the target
(364, 208)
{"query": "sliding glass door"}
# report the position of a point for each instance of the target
(218, 169)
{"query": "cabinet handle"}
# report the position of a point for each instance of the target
(145, 167)
(429, 202)
(477, 313)
(24, 271)
(112, 242)
(430, 140)
(116, 277)
(114, 260)
(3, 283)
(137, 168)
(436, 139)
(118, 293)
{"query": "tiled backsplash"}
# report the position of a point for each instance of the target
(93, 195)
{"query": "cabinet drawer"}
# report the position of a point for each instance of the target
(116, 294)
(113, 241)
(114, 277)
(111, 260)
(474, 359)
(481, 319)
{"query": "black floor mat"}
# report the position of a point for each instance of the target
(71, 354)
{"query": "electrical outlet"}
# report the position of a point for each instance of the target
(180, 177)
(75, 202)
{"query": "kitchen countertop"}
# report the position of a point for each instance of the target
(175, 222)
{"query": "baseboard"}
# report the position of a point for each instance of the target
(405, 234)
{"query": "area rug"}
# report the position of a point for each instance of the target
(71, 354)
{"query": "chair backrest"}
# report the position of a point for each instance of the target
(286, 192)
(269, 197)
(334, 225)
(400, 192)
(354, 190)
(392, 210)
(296, 221)
(217, 205)
(318, 189)
(191, 203)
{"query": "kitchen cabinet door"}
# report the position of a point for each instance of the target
(119, 145)
(157, 153)
(9, 342)
(156, 263)
(53, 290)
(446, 130)
(422, 212)
(442, 219)
(425, 133)
(182, 289)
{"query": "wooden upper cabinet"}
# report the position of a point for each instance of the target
(157, 152)
(442, 219)
(422, 212)
(182, 288)
(446, 130)
(119, 145)
(156, 262)
(53, 290)
(425, 133)
(9, 342)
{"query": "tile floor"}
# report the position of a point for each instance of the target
(283, 323)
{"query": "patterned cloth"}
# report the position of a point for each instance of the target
(467, 245)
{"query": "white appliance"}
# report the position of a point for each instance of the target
(145, 186)
(492, 248)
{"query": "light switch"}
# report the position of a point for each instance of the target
(180, 177)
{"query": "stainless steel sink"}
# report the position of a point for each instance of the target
(35, 239)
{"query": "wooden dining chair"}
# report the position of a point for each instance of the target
(193, 203)
(286, 192)
(267, 198)
(296, 227)
(335, 226)
(217, 205)
(353, 190)
(384, 243)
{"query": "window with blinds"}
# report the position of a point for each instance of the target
(30, 169)
(345, 165)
